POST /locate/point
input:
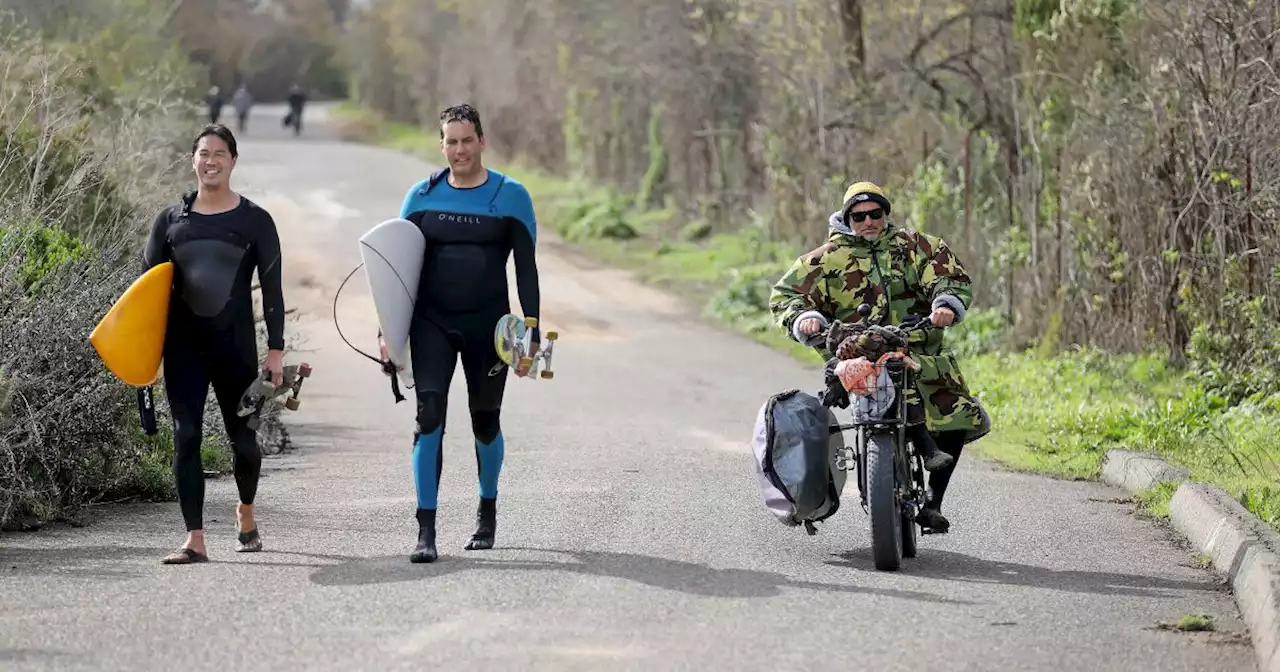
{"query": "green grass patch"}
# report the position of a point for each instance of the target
(1191, 623)
(152, 480)
(1053, 415)
(1155, 500)
(357, 123)
(1059, 416)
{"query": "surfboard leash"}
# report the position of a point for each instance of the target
(387, 367)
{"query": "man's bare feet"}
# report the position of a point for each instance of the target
(248, 541)
(244, 515)
(192, 551)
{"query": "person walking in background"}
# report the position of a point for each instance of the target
(297, 100)
(242, 101)
(214, 103)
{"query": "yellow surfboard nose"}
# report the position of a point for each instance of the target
(130, 337)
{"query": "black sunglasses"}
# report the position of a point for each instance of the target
(873, 214)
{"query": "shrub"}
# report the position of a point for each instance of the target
(91, 128)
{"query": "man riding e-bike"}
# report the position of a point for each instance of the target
(867, 259)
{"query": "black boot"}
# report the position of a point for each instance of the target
(486, 525)
(425, 551)
(934, 459)
(932, 521)
(950, 443)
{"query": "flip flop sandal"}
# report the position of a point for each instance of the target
(249, 542)
(184, 556)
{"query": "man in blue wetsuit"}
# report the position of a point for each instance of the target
(473, 219)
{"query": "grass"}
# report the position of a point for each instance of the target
(1155, 500)
(1191, 623)
(1053, 415)
(155, 481)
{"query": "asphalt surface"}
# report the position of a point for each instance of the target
(631, 531)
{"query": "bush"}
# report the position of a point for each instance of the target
(64, 426)
(91, 129)
(1235, 350)
(44, 250)
(982, 331)
(744, 300)
(604, 215)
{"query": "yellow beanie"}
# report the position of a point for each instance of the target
(865, 191)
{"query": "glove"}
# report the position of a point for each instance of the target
(839, 332)
(872, 343)
(833, 395)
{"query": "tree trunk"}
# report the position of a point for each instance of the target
(855, 47)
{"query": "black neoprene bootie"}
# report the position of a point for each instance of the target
(486, 525)
(425, 551)
(932, 521)
(934, 459)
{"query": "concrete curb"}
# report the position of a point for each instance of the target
(1241, 546)
(1139, 471)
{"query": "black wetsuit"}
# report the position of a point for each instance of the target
(211, 337)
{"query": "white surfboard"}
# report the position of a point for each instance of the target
(392, 255)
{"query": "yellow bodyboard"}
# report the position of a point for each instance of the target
(130, 337)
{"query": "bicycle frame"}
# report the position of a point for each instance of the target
(909, 466)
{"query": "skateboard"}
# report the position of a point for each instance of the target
(512, 339)
(261, 391)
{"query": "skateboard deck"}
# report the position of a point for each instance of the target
(512, 339)
(261, 391)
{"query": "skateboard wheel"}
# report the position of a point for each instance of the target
(304, 370)
(552, 335)
(292, 404)
(530, 322)
(547, 374)
(526, 361)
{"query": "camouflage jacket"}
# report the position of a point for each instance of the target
(900, 273)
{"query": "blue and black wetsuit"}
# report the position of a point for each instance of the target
(470, 234)
(211, 337)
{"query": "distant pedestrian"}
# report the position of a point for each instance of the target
(242, 101)
(214, 102)
(297, 100)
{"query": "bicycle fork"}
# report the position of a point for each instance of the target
(853, 458)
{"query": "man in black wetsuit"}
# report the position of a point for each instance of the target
(216, 239)
(473, 219)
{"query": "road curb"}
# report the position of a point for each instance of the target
(1138, 471)
(1239, 544)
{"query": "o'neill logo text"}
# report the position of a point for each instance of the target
(462, 219)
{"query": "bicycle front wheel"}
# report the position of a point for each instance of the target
(883, 503)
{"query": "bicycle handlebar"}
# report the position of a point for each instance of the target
(833, 393)
(909, 324)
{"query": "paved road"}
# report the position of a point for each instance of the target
(631, 532)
